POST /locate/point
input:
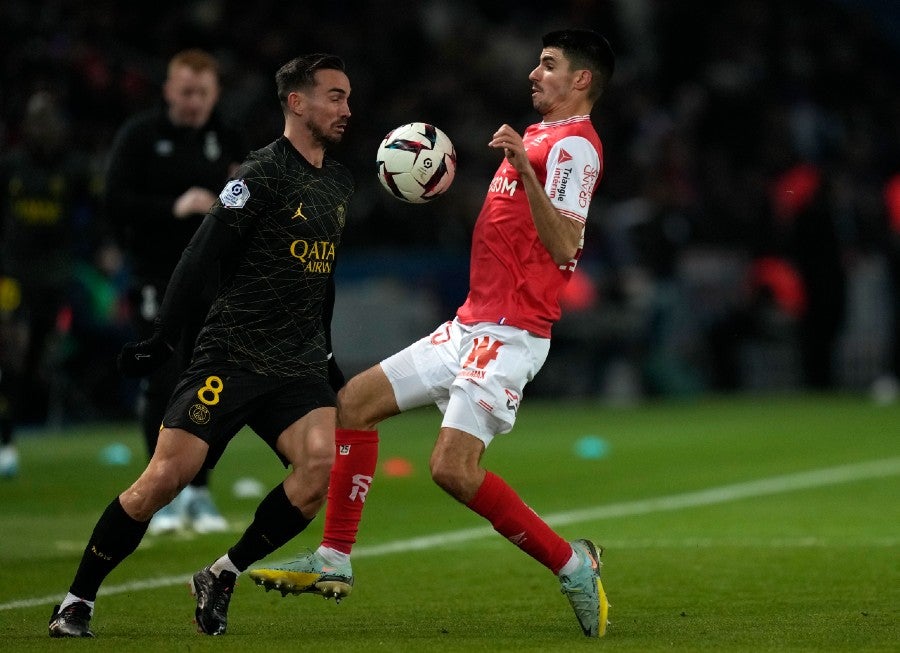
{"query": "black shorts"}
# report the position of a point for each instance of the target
(215, 399)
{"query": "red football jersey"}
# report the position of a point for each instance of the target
(512, 278)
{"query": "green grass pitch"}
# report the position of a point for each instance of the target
(744, 524)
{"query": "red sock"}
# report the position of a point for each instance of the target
(514, 520)
(351, 476)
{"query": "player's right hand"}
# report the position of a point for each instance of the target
(144, 357)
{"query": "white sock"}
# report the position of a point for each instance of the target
(573, 564)
(332, 556)
(224, 564)
(71, 598)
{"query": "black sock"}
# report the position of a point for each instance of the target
(276, 522)
(115, 537)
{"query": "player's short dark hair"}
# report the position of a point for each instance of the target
(586, 49)
(300, 73)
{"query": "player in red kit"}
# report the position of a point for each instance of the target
(527, 241)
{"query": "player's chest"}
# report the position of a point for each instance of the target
(310, 210)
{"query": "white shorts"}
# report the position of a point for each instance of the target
(475, 374)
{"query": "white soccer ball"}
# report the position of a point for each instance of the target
(416, 162)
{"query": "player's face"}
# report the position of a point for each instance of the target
(551, 81)
(191, 96)
(328, 108)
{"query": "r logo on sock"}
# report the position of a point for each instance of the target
(360, 488)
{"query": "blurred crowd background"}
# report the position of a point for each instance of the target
(746, 236)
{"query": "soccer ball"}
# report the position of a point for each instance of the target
(416, 162)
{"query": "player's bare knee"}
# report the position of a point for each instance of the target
(448, 476)
(155, 488)
(365, 401)
(318, 464)
(319, 451)
(307, 489)
(312, 464)
(162, 479)
(443, 478)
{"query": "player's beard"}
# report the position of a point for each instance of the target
(321, 137)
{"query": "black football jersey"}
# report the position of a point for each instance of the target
(267, 316)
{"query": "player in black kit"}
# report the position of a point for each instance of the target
(262, 358)
(165, 168)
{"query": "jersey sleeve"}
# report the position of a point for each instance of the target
(246, 197)
(573, 168)
(212, 242)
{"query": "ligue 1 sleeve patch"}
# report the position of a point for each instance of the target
(235, 194)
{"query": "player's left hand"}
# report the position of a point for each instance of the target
(144, 357)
